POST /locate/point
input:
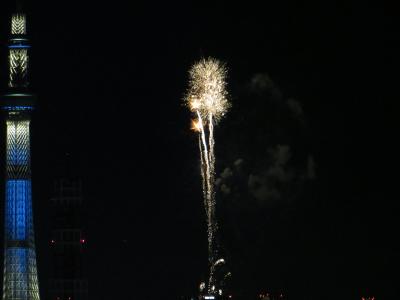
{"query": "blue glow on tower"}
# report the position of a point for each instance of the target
(20, 46)
(18, 192)
(20, 280)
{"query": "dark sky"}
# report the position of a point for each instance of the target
(110, 80)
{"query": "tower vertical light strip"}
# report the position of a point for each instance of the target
(20, 280)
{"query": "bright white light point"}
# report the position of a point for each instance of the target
(219, 261)
(195, 104)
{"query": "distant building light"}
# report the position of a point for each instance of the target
(209, 297)
(82, 241)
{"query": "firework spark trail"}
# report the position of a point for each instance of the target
(205, 158)
(211, 155)
(208, 200)
(207, 194)
(207, 99)
(203, 175)
(213, 220)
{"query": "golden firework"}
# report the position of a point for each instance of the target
(207, 89)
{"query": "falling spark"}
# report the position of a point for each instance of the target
(207, 98)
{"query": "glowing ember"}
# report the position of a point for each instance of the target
(196, 125)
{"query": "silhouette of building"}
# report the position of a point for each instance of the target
(68, 242)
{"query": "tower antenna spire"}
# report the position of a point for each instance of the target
(18, 5)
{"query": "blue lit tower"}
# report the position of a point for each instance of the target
(20, 274)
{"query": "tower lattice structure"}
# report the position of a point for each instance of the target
(20, 280)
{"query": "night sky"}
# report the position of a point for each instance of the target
(313, 98)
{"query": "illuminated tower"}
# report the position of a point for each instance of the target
(20, 274)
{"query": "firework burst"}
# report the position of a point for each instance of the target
(207, 89)
(207, 99)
